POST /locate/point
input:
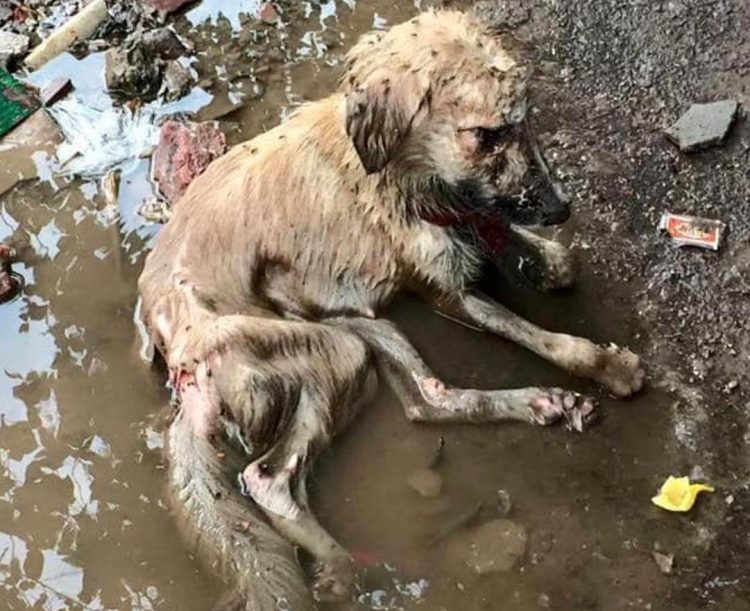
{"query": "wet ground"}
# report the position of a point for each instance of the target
(82, 520)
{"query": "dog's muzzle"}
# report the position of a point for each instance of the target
(542, 200)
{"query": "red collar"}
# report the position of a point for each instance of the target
(493, 233)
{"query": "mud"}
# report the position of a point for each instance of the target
(82, 520)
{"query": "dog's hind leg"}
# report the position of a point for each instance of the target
(276, 482)
(289, 402)
(428, 399)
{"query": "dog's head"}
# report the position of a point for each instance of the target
(438, 97)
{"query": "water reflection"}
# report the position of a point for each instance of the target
(56, 587)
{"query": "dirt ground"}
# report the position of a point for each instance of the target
(77, 407)
(613, 75)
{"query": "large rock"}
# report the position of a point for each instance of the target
(703, 125)
(184, 152)
(133, 73)
(138, 68)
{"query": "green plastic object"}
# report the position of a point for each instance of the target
(16, 102)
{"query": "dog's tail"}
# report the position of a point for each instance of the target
(228, 530)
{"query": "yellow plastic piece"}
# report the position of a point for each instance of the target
(678, 494)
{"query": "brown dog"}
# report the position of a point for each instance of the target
(264, 290)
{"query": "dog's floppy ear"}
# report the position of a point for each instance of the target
(380, 114)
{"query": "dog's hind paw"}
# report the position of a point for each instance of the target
(335, 580)
(555, 403)
(619, 370)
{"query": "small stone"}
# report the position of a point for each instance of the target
(268, 13)
(111, 187)
(166, 5)
(493, 547)
(177, 80)
(703, 125)
(163, 43)
(665, 562)
(426, 482)
(504, 503)
(13, 45)
(155, 210)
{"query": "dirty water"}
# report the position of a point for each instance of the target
(83, 522)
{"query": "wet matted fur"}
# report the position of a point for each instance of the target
(264, 292)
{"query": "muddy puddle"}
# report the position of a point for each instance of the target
(83, 524)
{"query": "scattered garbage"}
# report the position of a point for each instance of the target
(17, 102)
(10, 282)
(678, 494)
(703, 125)
(692, 230)
(98, 139)
(82, 25)
(184, 151)
(493, 547)
(665, 562)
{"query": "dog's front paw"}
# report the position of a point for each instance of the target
(619, 370)
(556, 268)
(555, 403)
(335, 580)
